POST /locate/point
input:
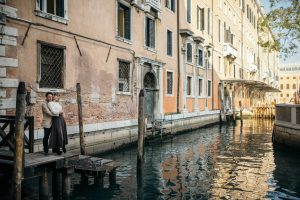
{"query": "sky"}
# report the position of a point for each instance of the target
(292, 59)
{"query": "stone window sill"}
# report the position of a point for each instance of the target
(51, 17)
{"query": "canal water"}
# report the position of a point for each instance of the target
(228, 162)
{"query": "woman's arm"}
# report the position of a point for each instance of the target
(55, 108)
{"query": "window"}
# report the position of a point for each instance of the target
(150, 33)
(54, 7)
(189, 86)
(124, 76)
(189, 52)
(124, 21)
(51, 66)
(169, 43)
(287, 86)
(220, 70)
(200, 18)
(200, 57)
(207, 63)
(208, 21)
(188, 11)
(294, 86)
(170, 4)
(219, 30)
(294, 77)
(209, 88)
(169, 82)
(200, 89)
(281, 86)
(281, 95)
(287, 95)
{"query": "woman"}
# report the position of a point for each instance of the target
(58, 138)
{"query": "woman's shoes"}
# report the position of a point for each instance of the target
(64, 150)
(57, 151)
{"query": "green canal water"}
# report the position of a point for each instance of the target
(228, 162)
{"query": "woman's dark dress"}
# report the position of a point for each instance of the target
(58, 138)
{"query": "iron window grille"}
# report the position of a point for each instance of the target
(51, 66)
(124, 76)
(169, 82)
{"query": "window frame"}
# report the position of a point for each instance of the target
(118, 77)
(202, 95)
(153, 49)
(198, 58)
(39, 67)
(187, 61)
(170, 55)
(189, 14)
(169, 6)
(209, 91)
(169, 71)
(191, 86)
(118, 37)
(44, 14)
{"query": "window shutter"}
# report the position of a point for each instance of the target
(202, 19)
(127, 23)
(152, 33)
(60, 8)
(198, 16)
(173, 5)
(188, 11)
(208, 20)
(147, 34)
(169, 43)
(41, 4)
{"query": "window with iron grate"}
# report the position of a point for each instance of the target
(51, 66)
(169, 82)
(124, 76)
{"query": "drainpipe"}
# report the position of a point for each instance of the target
(212, 55)
(178, 59)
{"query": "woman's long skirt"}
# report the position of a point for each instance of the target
(58, 137)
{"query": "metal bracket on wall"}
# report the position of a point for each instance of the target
(26, 34)
(77, 45)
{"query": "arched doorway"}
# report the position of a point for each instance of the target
(150, 88)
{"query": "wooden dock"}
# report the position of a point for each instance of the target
(61, 167)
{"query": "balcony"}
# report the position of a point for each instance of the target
(155, 4)
(230, 51)
(253, 68)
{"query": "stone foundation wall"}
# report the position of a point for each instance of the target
(110, 139)
(287, 136)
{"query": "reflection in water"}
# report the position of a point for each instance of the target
(228, 162)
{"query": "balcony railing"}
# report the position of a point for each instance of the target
(230, 51)
(155, 4)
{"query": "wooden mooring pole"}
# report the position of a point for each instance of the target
(141, 129)
(141, 142)
(19, 135)
(81, 133)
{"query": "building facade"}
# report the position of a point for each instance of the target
(289, 81)
(192, 57)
